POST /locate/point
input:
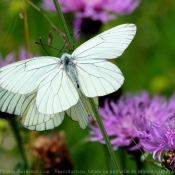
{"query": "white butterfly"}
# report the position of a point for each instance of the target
(42, 88)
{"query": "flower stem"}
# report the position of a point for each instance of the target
(137, 158)
(108, 160)
(13, 124)
(26, 29)
(63, 36)
(105, 136)
(2, 137)
(64, 23)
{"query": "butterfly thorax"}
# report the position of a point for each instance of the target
(70, 67)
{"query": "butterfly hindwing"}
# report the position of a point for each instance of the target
(33, 120)
(50, 124)
(10, 102)
(82, 110)
(79, 113)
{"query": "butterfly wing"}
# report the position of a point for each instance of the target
(11, 102)
(81, 111)
(56, 91)
(107, 45)
(78, 113)
(88, 107)
(96, 75)
(23, 77)
(50, 124)
(33, 120)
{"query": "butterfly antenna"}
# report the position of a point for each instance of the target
(43, 46)
(67, 42)
(61, 51)
(77, 33)
(47, 46)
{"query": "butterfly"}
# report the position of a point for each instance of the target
(42, 89)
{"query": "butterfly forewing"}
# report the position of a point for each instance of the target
(23, 77)
(96, 75)
(99, 78)
(56, 93)
(107, 45)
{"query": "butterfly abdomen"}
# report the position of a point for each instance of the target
(70, 68)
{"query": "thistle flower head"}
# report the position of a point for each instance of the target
(123, 120)
(158, 136)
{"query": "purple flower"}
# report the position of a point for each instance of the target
(124, 120)
(23, 54)
(96, 10)
(10, 58)
(159, 135)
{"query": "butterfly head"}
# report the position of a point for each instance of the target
(66, 59)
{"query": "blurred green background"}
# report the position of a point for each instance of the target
(147, 64)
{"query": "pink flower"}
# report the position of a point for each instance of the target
(10, 58)
(123, 122)
(23, 54)
(96, 10)
(158, 136)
